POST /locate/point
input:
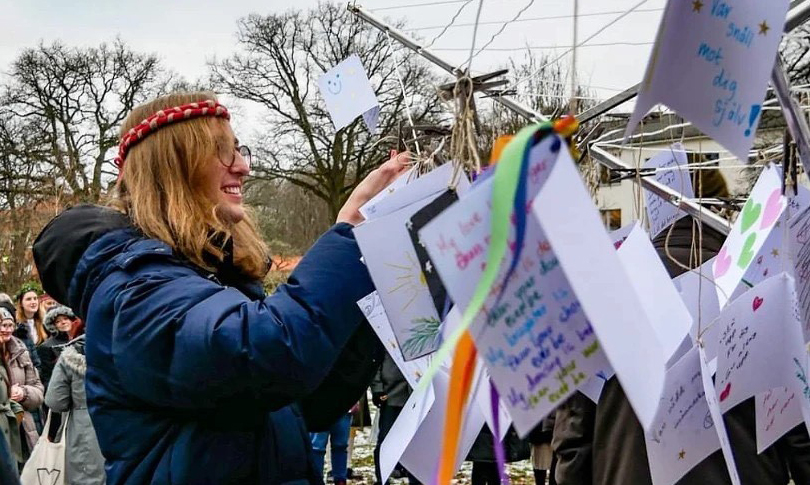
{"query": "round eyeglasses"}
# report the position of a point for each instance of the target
(242, 150)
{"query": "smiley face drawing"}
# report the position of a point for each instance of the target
(334, 85)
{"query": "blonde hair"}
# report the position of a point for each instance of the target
(39, 317)
(163, 189)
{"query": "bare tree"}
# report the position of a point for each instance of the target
(281, 58)
(75, 99)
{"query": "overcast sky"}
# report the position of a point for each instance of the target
(187, 33)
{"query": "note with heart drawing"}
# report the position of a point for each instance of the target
(752, 227)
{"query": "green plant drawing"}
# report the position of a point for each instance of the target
(425, 334)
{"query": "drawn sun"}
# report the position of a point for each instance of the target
(411, 279)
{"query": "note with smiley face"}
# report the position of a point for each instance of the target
(348, 93)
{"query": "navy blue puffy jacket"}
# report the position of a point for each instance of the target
(191, 380)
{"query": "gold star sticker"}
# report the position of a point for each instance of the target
(775, 253)
(681, 454)
(697, 5)
(763, 28)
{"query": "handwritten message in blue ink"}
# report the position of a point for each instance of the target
(536, 341)
(711, 63)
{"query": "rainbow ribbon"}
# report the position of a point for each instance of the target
(509, 197)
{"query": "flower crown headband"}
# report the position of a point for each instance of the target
(166, 117)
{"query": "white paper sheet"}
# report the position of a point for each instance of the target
(653, 286)
(347, 91)
(372, 308)
(777, 412)
(422, 454)
(661, 213)
(759, 338)
(711, 63)
(406, 428)
(589, 261)
(752, 227)
(717, 418)
(683, 431)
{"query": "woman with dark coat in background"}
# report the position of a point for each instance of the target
(58, 322)
(194, 374)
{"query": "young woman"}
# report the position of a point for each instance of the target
(26, 390)
(29, 314)
(58, 322)
(194, 375)
(84, 462)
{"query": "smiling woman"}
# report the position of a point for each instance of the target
(188, 361)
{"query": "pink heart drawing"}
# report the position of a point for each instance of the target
(772, 209)
(725, 393)
(757, 303)
(722, 263)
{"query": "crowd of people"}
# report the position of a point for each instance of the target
(42, 372)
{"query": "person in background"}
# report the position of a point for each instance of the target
(482, 455)
(9, 473)
(543, 462)
(338, 438)
(7, 303)
(26, 389)
(84, 463)
(58, 321)
(389, 392)
(30, 314)
(11, 412)
(46, 302)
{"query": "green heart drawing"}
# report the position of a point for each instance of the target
(747, 253)
(750, 215)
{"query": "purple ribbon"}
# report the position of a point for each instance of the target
(500, 455)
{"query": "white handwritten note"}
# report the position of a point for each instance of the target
(759, 338)
(683, 432)
(777, 412)
(536, 341)
(667, 313)
(752, 227)
(372, 308)
(661, 213)
(711, 63)
(347, 93)
(600, 282)
(369, 210)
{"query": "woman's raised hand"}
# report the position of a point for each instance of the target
(372, 185)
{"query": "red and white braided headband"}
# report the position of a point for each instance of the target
(166, 117)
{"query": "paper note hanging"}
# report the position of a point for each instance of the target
(752, 227)
(588, 259)
(348, 94)
(660, 213)
(683, 432)
(711, 63)
(372, 308)
(668, 315)
(760, 342)
(777, 412)
(717, 418)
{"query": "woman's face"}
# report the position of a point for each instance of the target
(226, 181)
(30, 303)
(47, 304)
(63, 323)
(6, 329)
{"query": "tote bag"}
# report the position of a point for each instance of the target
(46, 466)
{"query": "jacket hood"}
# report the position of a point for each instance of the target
(61, 244)
(54, 313)
(73, 356)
